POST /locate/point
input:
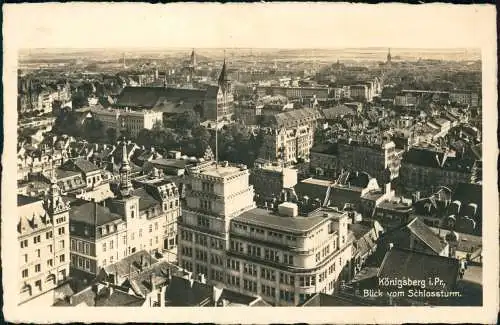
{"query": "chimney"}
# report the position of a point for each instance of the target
(153, 285)
(216, 294)
(202, 278)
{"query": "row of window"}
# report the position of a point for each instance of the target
(250, 285)
(38, 267)
(38, 238)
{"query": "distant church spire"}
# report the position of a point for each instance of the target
(389, 56)
(193, 59)
(223, 79)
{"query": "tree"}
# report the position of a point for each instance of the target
(112, 135)
(186, 120)
(95, 131)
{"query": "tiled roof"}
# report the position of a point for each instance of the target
(84, 165)
(293, 117)
(93, 214)
(148, 97)
(336, 111)
(400, 264)
(425, 234)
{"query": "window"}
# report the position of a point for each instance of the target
(60, 231)
(104, 247)
(50, 263)
(50, 248)
(61, 244)
(48, 235)
(38, 268)
(36, 239)
(150, 228)
(111, 244)
(25, 258)
(24, 273)
(24, 243)
(203, 222)
(38, 253)
(250, 269)
(61, 258)
(268, 274)
(288, 259)
(87, 264)
(140, 232)
(125, 239)
(156, 225)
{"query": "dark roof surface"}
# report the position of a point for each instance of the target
(24, 200)
(146, 201)
(399, 264)
(180, 293)
(425, 234)
(93, 214)
(85, 165)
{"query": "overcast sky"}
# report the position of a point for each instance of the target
(279, 25)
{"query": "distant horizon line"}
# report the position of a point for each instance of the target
(252, 48)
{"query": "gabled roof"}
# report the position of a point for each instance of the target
(426, 235)
(400, 263)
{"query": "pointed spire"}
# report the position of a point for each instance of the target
(223, 79)
(125, 183)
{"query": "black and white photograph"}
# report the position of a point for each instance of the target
(180, 156)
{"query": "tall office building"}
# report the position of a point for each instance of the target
(278, 255)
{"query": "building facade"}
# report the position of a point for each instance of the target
(380, 160)
(289, 136)
(134, 121)
(280, 256)
(43, 236)
(137, 219)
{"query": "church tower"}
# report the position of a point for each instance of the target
(389, 56)
(125, 182)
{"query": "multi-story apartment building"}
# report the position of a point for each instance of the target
(426, 169)
(361, 92)
(43, 236)
(289, 135)
(137, 219)
(378, 158)
(283, 257)
(134, 121)
(464, 98)
(294, 92)
(269, 180)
